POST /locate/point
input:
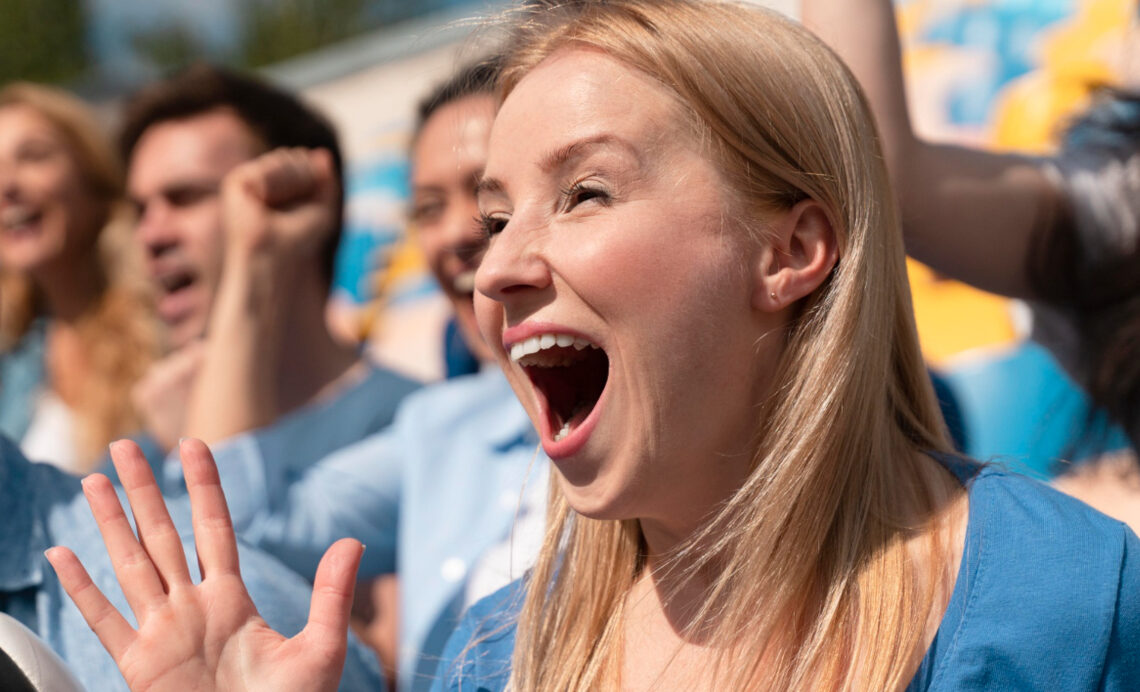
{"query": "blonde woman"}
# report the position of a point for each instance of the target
(75, 334)
(694, 281)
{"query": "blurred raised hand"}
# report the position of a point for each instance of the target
(285, 201)
(279, 212)
(205, 636)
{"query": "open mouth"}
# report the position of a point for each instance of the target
(175, 297)
(569, 374)
(19, 218)
(174, 282)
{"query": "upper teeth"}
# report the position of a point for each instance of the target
(542, 342)
(15, 216)
(465, 282)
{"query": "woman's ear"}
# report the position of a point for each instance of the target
(799, 256)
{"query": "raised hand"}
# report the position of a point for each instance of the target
(285, 201)
(279, 213)
(205, 636)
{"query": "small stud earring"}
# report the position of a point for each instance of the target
(772, 295)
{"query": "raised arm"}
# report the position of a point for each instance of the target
(278, 209)
(202, 636)
(968, 213)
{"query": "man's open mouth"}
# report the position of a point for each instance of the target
(174, 293)
(569, 374)
(174, 281)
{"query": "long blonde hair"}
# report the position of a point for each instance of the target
(118, 333)
(814, 585)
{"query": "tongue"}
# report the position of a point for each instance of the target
(571, 389)
(576, 418)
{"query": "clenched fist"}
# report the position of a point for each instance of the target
(284, 202)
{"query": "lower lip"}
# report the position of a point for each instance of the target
(576, 439)
(174, 307)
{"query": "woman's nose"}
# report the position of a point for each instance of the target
(514, 262)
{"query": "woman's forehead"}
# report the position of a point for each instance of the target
(23, 120)
(582, 94)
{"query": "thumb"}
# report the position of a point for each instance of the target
(333, 590)
(324, 174)
(245, 182)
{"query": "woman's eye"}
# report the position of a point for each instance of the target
(491, 225)
(35, 155)
(580, 194)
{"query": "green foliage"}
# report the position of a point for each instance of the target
(280, 29)
(45, 40)
(169, 48)
(42, 40)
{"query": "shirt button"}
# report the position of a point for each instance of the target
(509, 499)
(453, 569)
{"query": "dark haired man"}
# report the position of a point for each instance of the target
(238, 187)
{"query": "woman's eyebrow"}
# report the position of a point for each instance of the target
(564, 156)
(580, 148)
(488, 186)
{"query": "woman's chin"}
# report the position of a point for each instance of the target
(26, 260)
(593, 498)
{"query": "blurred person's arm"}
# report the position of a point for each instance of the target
(294, 512)
(278, 210)
(971, 214)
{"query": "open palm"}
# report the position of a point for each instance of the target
(202, 636)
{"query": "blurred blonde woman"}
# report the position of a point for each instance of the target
(694, 281)
(75, 331)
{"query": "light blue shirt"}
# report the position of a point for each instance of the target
(300, 437)
(1047, 598)
(41, 506)
(427, 497)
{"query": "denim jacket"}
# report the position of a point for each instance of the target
(21, 378)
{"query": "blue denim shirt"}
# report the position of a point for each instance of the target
(430, 495)
(21, 379)
(41, 506)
